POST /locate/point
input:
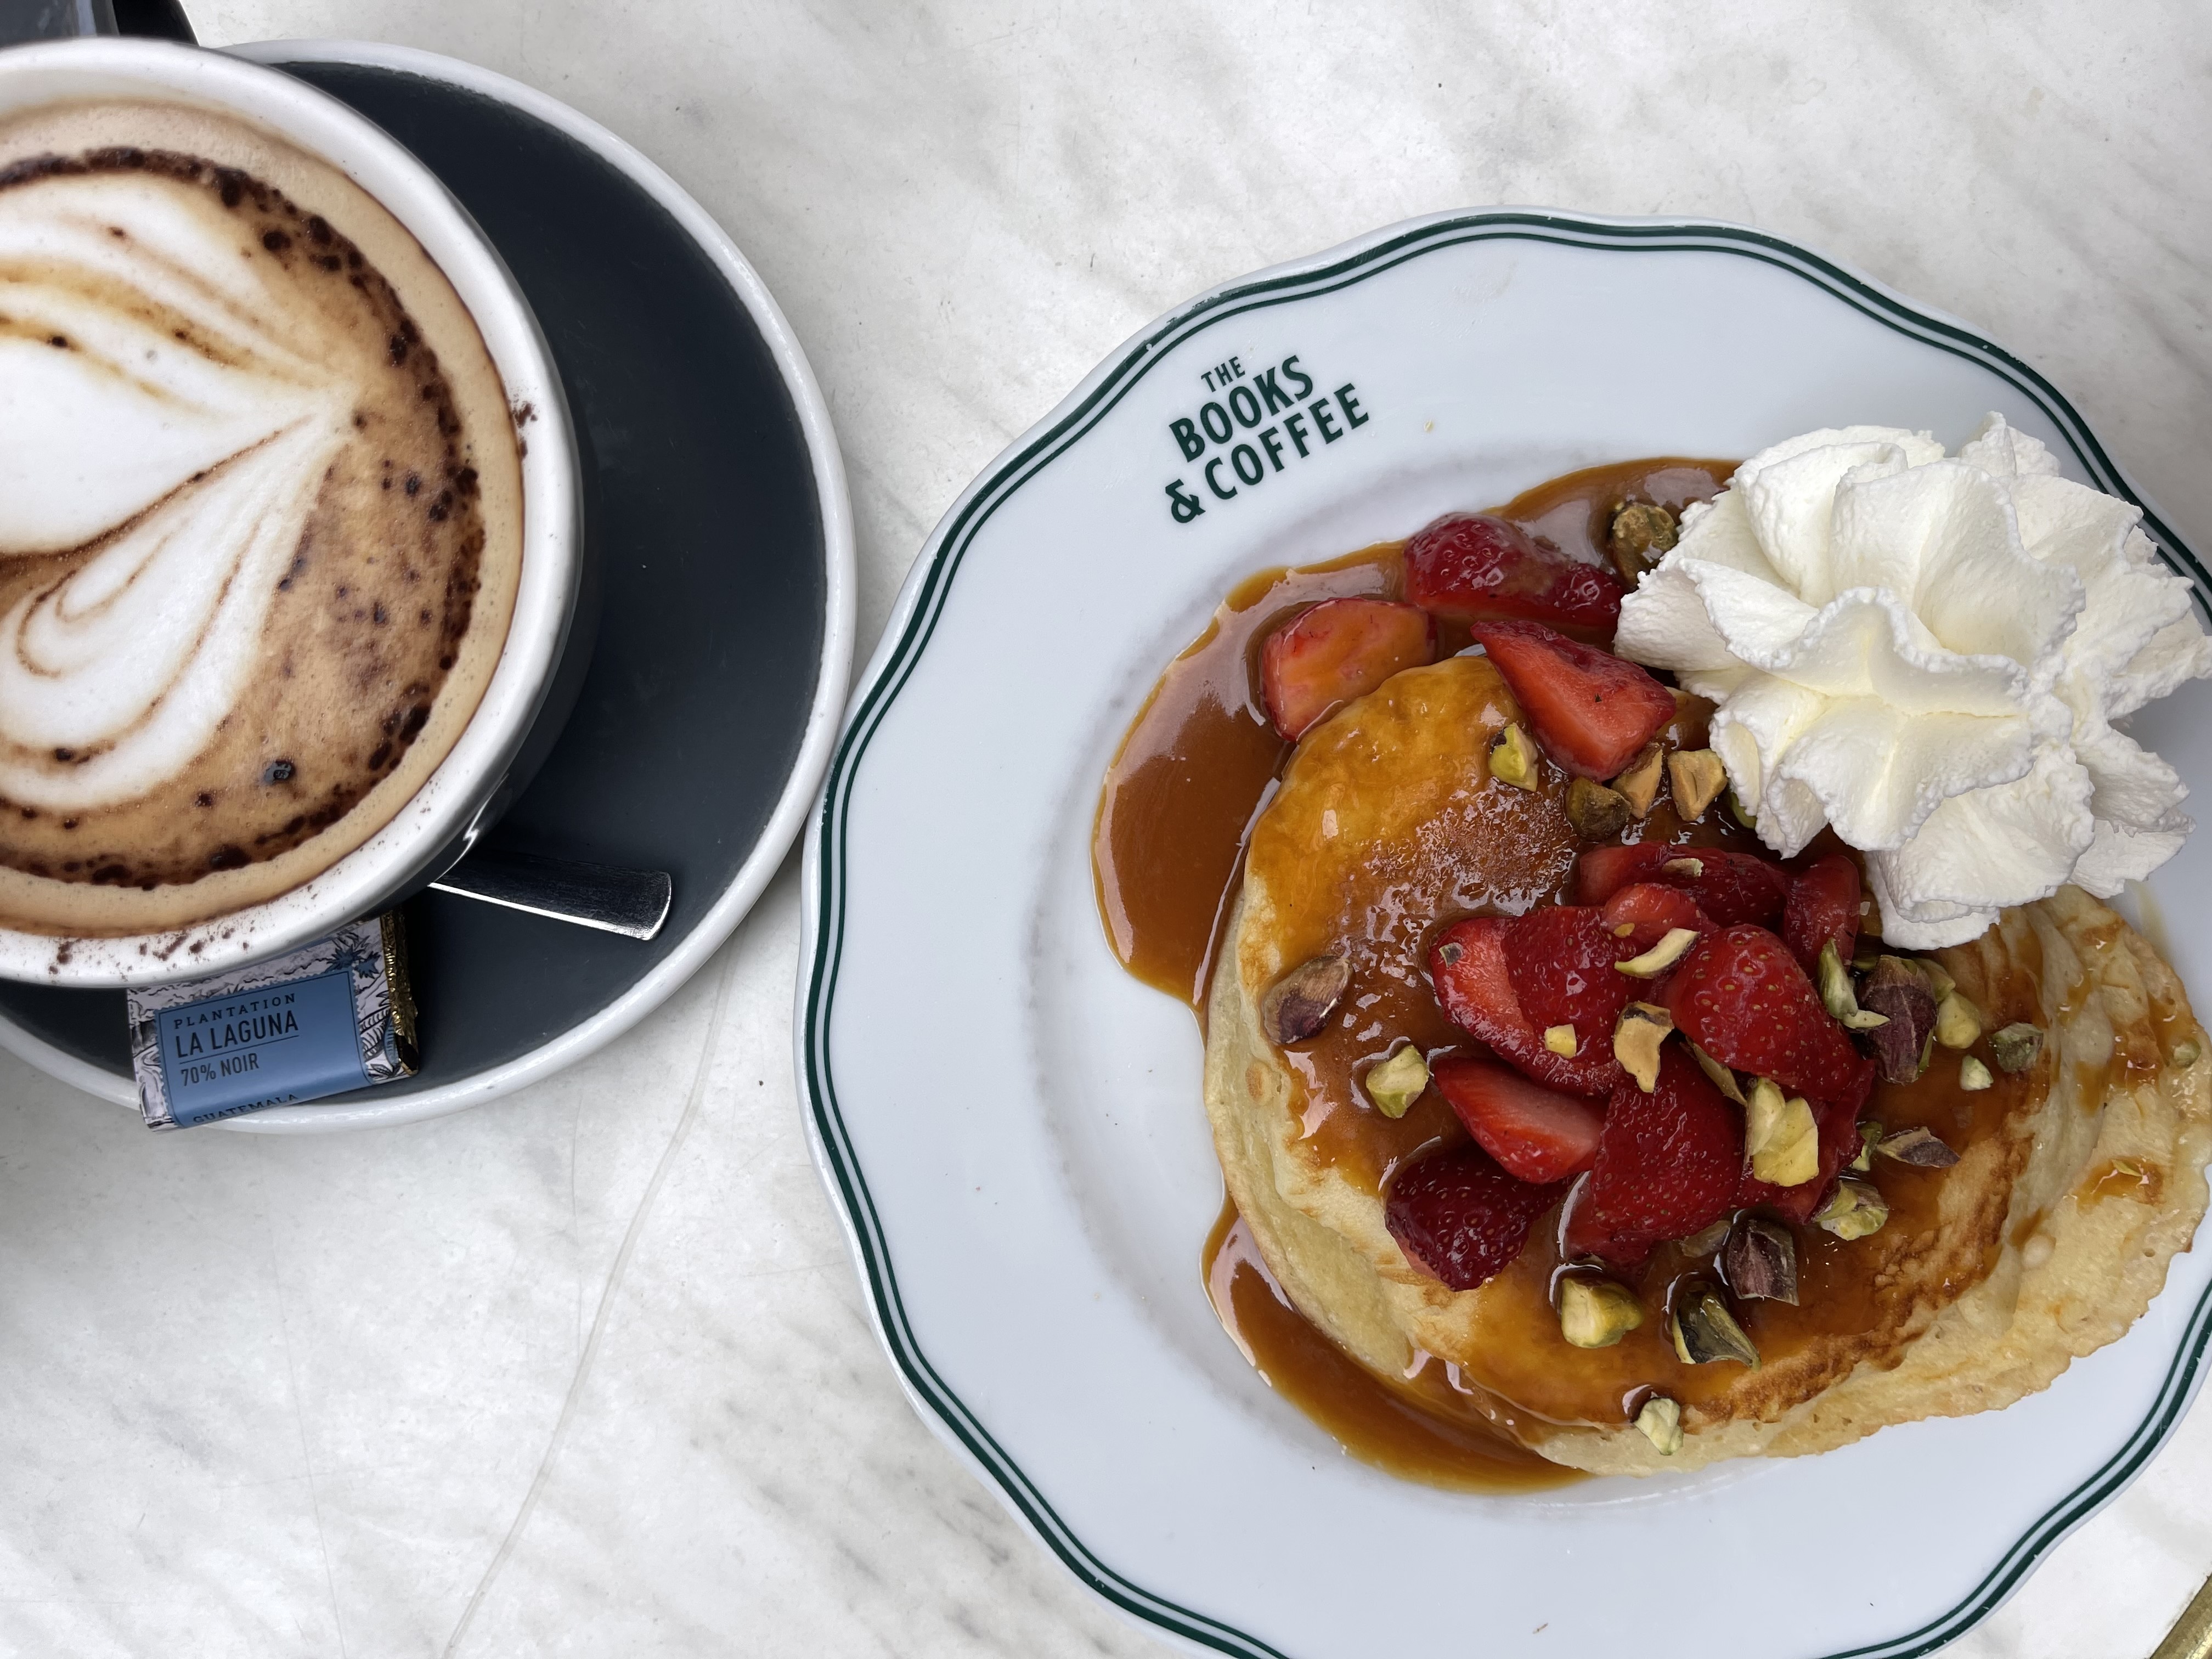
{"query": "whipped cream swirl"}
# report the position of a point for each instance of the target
(172, 408)
(1928, 654)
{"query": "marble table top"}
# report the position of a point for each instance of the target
(587, 1370)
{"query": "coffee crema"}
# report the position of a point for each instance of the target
(260, 517)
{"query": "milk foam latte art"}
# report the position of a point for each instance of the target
(260, 517)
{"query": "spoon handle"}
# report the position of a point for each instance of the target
(634, 903)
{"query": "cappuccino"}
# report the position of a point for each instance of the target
(260, 517)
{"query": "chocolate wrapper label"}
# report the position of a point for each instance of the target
(316, 1022)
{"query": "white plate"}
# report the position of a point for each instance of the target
(1012, 1125)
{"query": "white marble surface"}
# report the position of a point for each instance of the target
(588, 1371)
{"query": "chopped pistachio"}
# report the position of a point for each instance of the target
(1624, 930)
(1698, 777)
(1782, 1136)
(1513, 758)
(1636, 1040)
(1840, 999)
(1295, 1007)
(1661, 957)
(1704, 1330)
(1958, 1022)
(1596, 1313)
(1562, 1041)
(1912, 970)
(1742, 814)
(2184, 1054)
(1866, 957)
(1972, 1074)
(1661, 1423)
(1596, 813)
(1688, 869)
(1857, 1210)
(1870, 1133)
(1940, 983)
(1639, 784)
(2014, 1047)
(1705, 1240)
(1393, 1084)
(1724, 1078)
(1760, 1261)
(1897, 990)
(1642, 529)
(1923, 1148)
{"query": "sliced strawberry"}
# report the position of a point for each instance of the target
(1839, 1145)
(1729, 887)
(1561, 959)
(1468, 966)
(1740, 996)
(1823, 905)
(1470, 566)
(1733, 888)
(1460, 1217)
(1601, 871)
(1668, 1163)
(1592, 711)
(1649, 913)
(1338, 650)
(1535, 1134)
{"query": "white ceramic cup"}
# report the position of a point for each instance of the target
(445, 812)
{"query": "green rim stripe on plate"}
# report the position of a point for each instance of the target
(947, 549)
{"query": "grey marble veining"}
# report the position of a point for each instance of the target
(588, 1371)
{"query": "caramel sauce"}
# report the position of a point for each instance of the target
(1844, 1288)
(1196, 770)
(1199, 761)
(1424, 1429)
(2121, 1177)
(1442, 845)
(1196, 767)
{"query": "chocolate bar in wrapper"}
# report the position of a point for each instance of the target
(336, 1015)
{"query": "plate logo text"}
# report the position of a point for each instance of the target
(1256, 424)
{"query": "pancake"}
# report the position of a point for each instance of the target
(2077, 1181)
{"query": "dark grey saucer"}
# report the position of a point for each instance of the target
(715, 592)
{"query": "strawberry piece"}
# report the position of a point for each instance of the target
(1560, 960)
(1468, 966)
(1729, 887)
(1601, 871)
(1839, 1145)
(1651, 912)
(1460, 1217)
(1472, 565)
(1668, 1163)
(1535, 1134)
(1338, 650)
(1740, 996)
(1734, 887)
(1592, 711)
(1823, 905)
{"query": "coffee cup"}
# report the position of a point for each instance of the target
(323, 698)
